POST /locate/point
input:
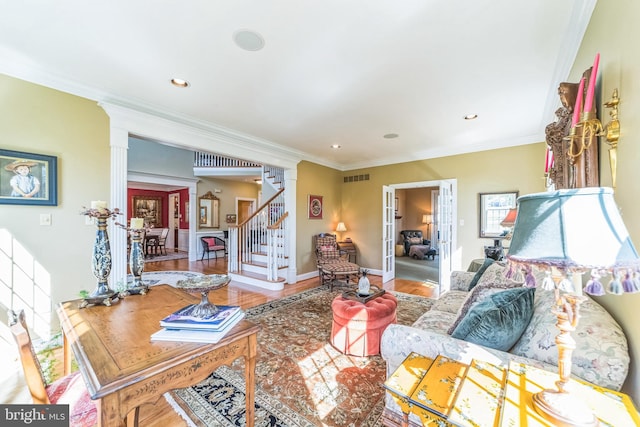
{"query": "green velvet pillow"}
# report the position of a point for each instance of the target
(499, 321)
(487, 262)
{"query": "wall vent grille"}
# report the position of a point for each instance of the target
(356, 178)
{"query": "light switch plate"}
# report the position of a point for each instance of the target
(45, 219)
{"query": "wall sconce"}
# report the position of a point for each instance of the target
(592, 127)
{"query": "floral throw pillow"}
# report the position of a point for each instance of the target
(492, 281)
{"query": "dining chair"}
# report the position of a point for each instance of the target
(162, 242)
(69, 390)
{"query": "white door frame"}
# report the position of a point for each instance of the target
(450, 258)
(388, 233)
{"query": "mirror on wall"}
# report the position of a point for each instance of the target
(209, 211)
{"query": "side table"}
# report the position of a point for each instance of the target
(443, 391)
(350, 249)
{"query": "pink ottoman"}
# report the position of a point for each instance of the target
(357, 327)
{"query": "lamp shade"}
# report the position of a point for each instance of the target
(427, 219)
(510, 219)
(574, 229)
(341, 227)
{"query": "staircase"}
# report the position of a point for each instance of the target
(258, 249)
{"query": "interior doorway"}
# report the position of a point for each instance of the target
(244, 208)
(442, 229)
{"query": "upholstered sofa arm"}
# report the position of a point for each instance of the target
(460, 280)
(400, 340)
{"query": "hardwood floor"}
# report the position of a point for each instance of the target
(246, 296)
(161, 414)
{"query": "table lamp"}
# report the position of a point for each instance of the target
(341, 228)
(566, 233)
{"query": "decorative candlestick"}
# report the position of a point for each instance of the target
(101, 260)
(136, 259)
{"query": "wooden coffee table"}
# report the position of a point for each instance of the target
(123, 369)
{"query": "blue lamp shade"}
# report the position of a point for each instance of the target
(572, 229)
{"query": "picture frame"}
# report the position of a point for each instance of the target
(493, 208)
(30, 174)
(231, 218)
(149, 208)
(315, 207)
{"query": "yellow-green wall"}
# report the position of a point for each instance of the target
(229, 191)
(317, 180)
(517, 168)
(613, 32)
(57, 258)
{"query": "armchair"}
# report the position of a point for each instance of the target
(212, 244)
(332, 262)
(413, 237)
(327, 251)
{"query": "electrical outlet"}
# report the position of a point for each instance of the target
(45, 219)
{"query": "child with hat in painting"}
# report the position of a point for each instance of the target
(23, 184)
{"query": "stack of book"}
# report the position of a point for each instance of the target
(183, 326)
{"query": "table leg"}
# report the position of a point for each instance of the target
(250, 380)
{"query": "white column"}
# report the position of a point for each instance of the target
(193, 217)
(290, 184)
(119, 141)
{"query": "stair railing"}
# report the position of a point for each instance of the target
(266, 226)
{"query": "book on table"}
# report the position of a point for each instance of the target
(198, 334)
(183, 318)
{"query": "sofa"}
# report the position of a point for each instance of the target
(412, 237)
(601, 355)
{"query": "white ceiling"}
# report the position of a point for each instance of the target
(331, 72)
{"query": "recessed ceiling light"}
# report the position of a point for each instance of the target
(471, 116)
(248, 40)
(335, 146)
(391, 135)
(179, 83)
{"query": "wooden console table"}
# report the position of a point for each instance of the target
(123, 369)
(350, 249)
(449, 393)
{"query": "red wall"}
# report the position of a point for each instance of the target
(164, 195)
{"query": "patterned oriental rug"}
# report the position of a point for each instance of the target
(301, 380)
(165, 277)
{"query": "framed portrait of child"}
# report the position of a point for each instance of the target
(28, 178)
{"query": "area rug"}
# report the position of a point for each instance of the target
(422, 270)
(168, 257)
(301, 380)
(164, 277)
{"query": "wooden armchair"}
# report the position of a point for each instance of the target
(69, 390)
(212, 244)
(327, 251)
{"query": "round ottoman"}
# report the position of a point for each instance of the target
(357, 327)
